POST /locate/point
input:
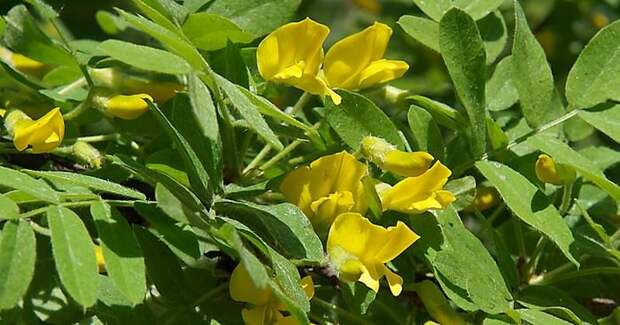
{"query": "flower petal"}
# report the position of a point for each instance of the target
(382, 71)
(242, 288)
(395, 241)
(408, 164)
(417, 194)
(347, 58)
(260, 315)
(290, 44)
(394, 281)
(43, 135)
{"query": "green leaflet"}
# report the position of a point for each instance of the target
(531, 75)
(17, 261)
(595, 77)
(357, 117)
(606, 121)
(74, 255)
(144, 57)
(464, 54)
(122, 254)
(20, 181)
(529, 204)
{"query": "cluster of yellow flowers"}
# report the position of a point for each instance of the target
(293, 55)
(331, 194)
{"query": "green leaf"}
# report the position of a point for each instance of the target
(8, 208)
(163, 267)
(17, 260)
(74, 254)
(252, 264)
(529, 204)
(357, 296)
(268, 108)
(182, 193)
(180, 238)
(606, 121)
(20, 181)
(283, 225)
(357, 117)
(171, 205)
(603, 157)
(168, 38)
(23, 35)
(563, 154)
(595, 76)
(463, 262)
(464, 189)
(426, 133)
(494, 34)
(163, 15)
(213, 32)
(122, 254)
(195, 116)
(198, 177)
(475, 8)
(555, 301)
(443, 114)
(465, 57)
(249, 112)
(91, 182)
(145, 57)
(109, 22)
(289, 281)
(531, 75)
(258, 17)
(537, 317)
(424, 30)
(492, 30)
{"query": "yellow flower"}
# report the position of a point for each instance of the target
(100, 260)
(421, 193)
(266, 309)
(25, 64)
(43, 135)
(331, 185)
(292, 54)
(356, 62)
(359, 250)
(486, 197)
(548, 171)
(387, 157)
(127, 107)
(2, 112)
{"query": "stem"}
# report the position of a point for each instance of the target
(76, 84)
(95, 138)
(301, 102)
(35, 212)
(39, 229)
(462, 168)
(281, 154)
(341, 312)
(550, 278)
(81, 108)
(259, 157)
(567, 191)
